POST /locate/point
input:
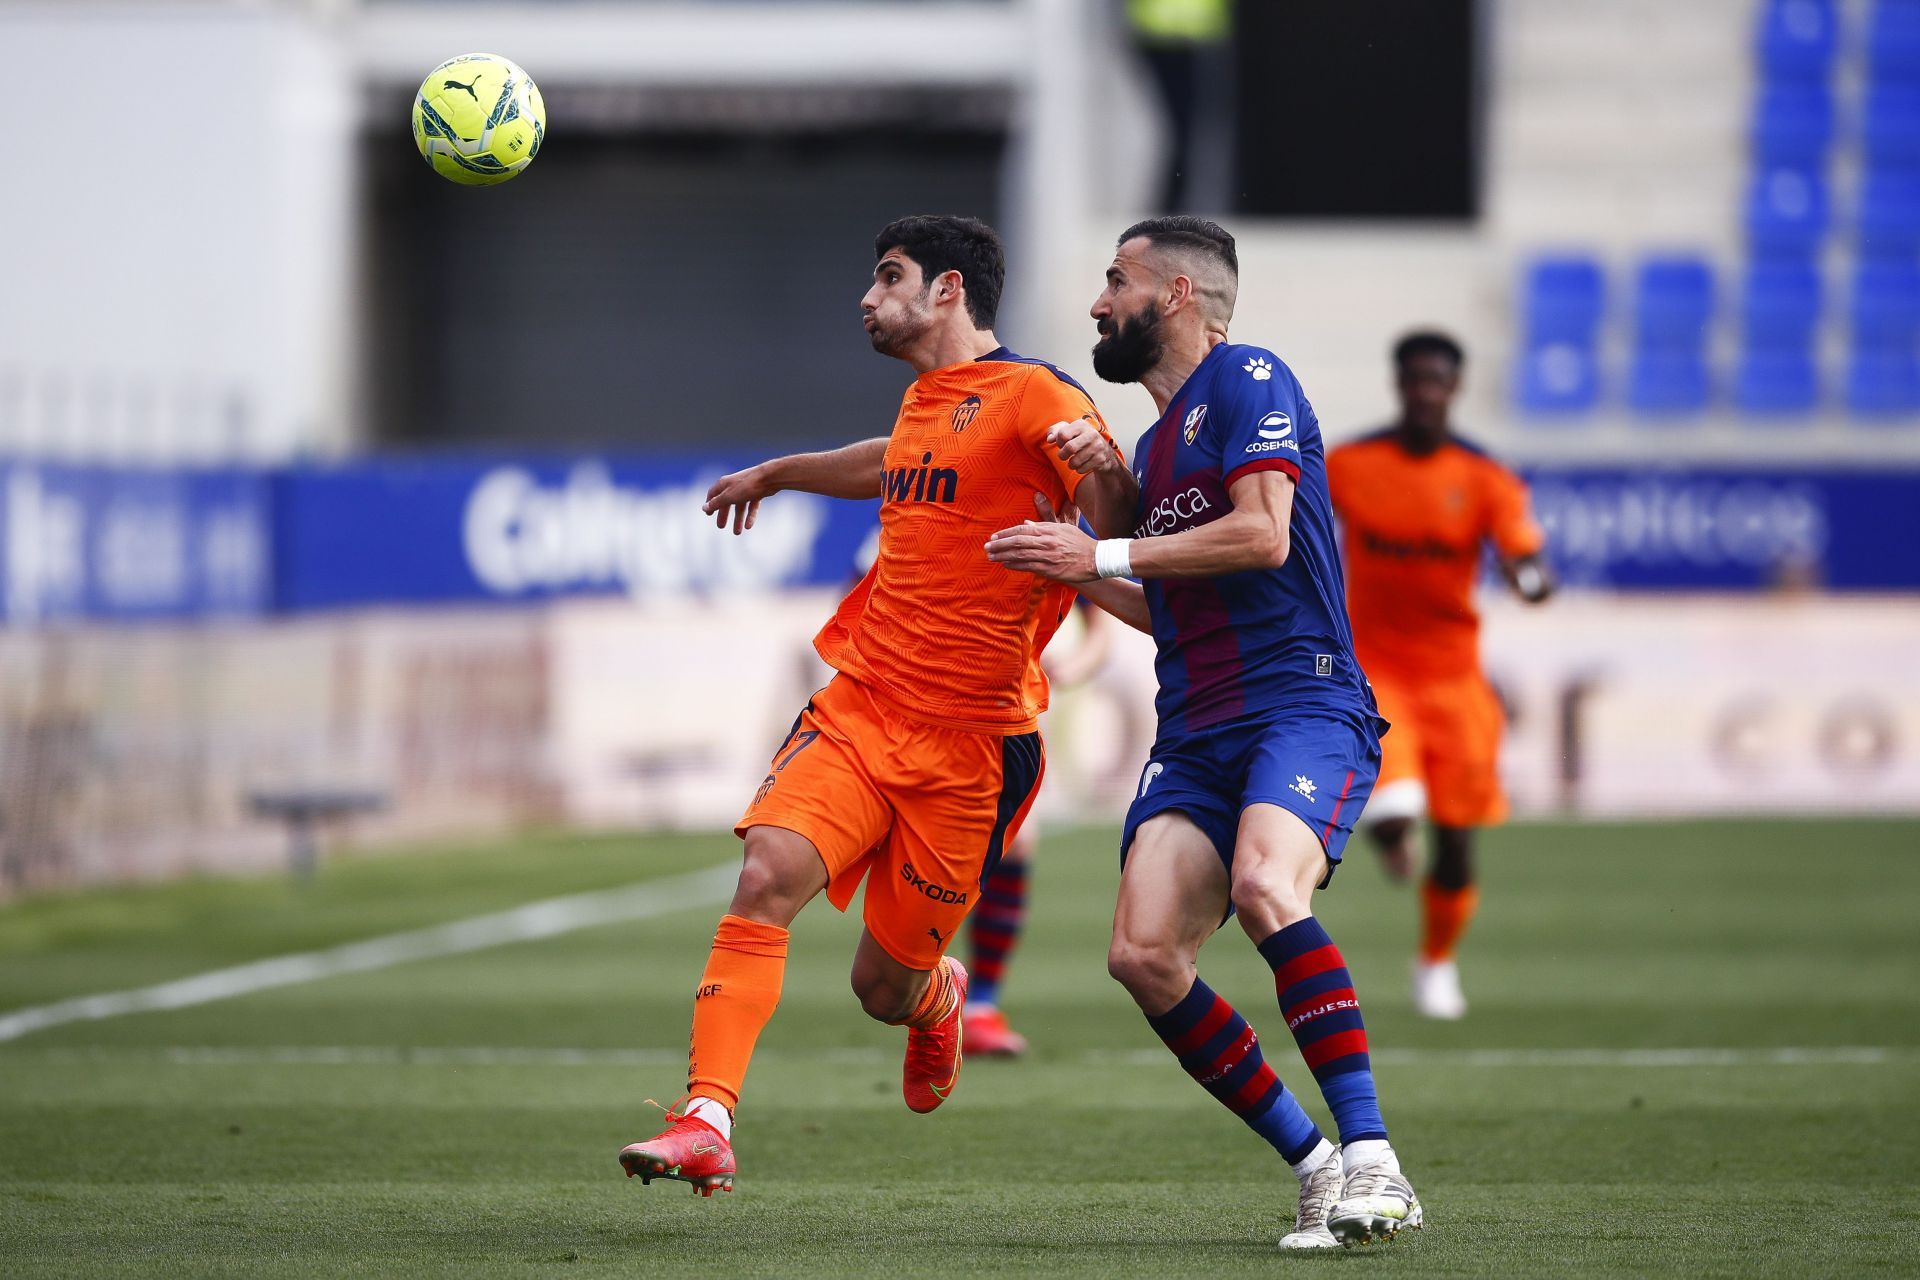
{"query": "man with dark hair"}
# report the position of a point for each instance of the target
(939, 244)
(918, 761)
(1268, 740)
(1418, 505)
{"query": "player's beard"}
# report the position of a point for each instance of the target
(1129, 348)
(894, 339)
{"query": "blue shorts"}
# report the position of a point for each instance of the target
(1318, 765)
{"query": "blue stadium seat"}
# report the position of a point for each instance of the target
(1796, 39)
(1787, 212)
(1893, 41)
(1884, 382)
(1561, 303)
(1776, 381)
(1885, 310)
(1779, 312)
(1558, 378)
(1673, 301)
(1792, 125)
(1667, 382)
(1780, 304)
(1890, 130)
(1563, 297)
(1889, 223)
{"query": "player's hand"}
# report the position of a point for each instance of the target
(1067, 514)
(1083, 446)
(1057, 551)
(737, 496)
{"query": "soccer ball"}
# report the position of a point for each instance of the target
(478, 119)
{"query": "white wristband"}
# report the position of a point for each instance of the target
(1113, 557)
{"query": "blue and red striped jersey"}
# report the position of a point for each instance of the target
(1248, 644)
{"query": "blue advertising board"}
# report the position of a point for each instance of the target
(133, 543)
(443, 529)
(1707, 528)
(130, 543)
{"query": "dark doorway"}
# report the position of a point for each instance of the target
(1358, 109)
(648, 290)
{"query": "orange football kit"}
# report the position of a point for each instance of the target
(1414, 528)
(917, 763)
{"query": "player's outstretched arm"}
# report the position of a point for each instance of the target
(1251, 536)
(851, 472)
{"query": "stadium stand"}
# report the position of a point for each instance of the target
(1563, 302)
(1672, 308)
(1832, 195)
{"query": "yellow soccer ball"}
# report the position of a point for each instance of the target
(478, 119)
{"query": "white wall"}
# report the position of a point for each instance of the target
(177, 205)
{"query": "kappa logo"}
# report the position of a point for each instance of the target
(1192, 424)
(1259, 367)
(1304, 785)
(1146, 779)
(966, 411)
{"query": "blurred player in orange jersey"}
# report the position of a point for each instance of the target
(916, 764)
(1418, 505)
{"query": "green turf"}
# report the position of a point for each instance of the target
(1094, 1157)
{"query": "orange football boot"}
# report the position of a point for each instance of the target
(690, 1150)
(988, 1034)
(933, 1057)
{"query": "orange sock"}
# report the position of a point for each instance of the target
(1445, 916)
(737, 996)
(937, 1005)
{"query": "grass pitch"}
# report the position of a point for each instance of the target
(459, 1116)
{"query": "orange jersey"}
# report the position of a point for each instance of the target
(937, 629)
(1414, 526)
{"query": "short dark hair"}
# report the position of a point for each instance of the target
(943, 242)
(1183, 231)
(1427, 342)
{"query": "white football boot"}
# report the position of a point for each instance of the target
(1317, 1196)
(1436, 990)
(1377, 1202)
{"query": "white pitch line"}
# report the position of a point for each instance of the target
(482, 1056)
(544, 919)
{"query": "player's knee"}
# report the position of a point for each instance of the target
(774, 884)
(1269, 898)
(1154, 974)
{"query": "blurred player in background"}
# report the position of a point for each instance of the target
(1268, 741)
(1418, 505)
(994, 929)
(920, 758)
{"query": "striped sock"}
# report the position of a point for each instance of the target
(1317, 1000)
(995, 929)
(1219, 1049)
(937, 1004)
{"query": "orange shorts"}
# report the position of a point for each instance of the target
(1445, 736)
(927, 810)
